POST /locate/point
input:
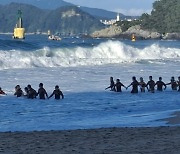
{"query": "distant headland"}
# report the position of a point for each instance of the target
(162, 23)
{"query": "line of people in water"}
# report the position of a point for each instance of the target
(150, 85)
(30, 93)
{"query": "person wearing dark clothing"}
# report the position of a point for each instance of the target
(134, 85)
(142, 85)
(150, 85)
(118, 86)
(173, 83)
(160, 84)
(31, 93)
(178, 83)
(2, 92)
(112, 85)
(26, 91)
(57, 92)
(18, 91)
(42, 92)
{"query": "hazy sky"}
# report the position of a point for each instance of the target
(127, 7)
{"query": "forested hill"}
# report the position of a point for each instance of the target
(66, 20)
(164, 18)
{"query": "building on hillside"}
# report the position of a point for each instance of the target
(112, 21)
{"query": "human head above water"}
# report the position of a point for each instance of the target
(56, 87)
(150, 77)
(41, 85)
(172, 78)
(133, 78)
(29, 86)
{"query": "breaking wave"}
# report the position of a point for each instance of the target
(105, 53)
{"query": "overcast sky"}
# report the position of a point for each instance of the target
(127, 7)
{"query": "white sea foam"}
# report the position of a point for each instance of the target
(104, 53)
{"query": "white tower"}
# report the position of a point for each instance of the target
(118, 17)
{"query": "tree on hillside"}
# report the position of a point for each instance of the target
(165, 16)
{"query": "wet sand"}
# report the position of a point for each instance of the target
(175, 119)
(156, 140)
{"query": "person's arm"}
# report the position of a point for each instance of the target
(62, 95)
(46, 93)
(107, 87)
(168, 83)
(129, 86)
(123, 86)
(51, 95)
(164, 86)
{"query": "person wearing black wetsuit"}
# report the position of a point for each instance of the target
(173, 83)
(112, 85)
(57, 92)
(134, 85)
(2, 92)
(42, 92)
(178, 82)
(151, 84)
(118, 86)
(142, 85)
(160, 84)
(18, 91)
(31, 93)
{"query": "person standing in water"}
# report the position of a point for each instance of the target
(30, 92)
(18, 91)
(173, 83)
(118, 86)
(2, 92)
(151, 84)
(160, 84)
(112, 85)
(142, 85)
(134, 85)
(42, 92)
(178, 83)
(58, 93)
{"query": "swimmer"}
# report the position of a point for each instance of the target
(57, 92)
(134, 85)
(118, 86)
(112, 85)
(151, 84)
(160, 84)
(42, 92)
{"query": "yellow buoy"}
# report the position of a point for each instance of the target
(19, 31)
(133, 38)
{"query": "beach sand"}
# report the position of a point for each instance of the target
(156, 140)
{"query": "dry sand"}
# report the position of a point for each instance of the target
(158, 140)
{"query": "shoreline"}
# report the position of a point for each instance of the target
(131, 140)
(174, 119)
(104, 140)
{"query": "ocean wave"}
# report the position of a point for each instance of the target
(104, 53)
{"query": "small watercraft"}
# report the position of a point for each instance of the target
(54, 37)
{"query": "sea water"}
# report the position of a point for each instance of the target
(82, 67)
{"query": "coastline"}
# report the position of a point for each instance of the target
(175, 119)
(131, 140)
(105, 140)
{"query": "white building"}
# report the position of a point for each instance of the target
(112, 21)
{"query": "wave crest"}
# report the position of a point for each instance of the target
(105, 53)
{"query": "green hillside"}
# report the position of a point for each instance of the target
(165, 17)
(65, 20)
